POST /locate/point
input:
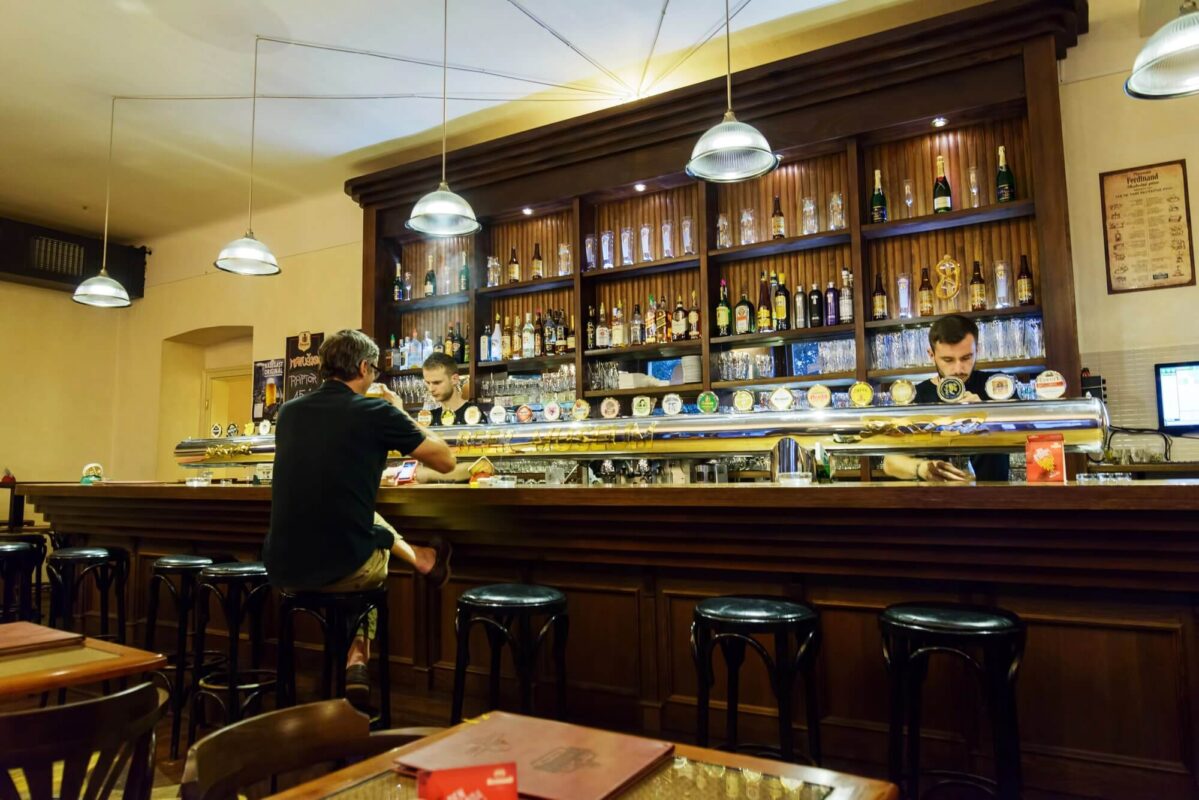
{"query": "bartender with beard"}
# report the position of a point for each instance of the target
(953, 345)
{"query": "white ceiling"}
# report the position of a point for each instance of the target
(180, 163)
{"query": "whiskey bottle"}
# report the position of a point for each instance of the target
(570, 335)
(620, 329)
(978, 289)
(1005, 181)
(878, 200)
(724, 312)
(693, 318)
(560, 332)
(765, 320)
(781, 305)
(878, 298)
(651, 321)
(538, 267)
(505, 340)
(1024, 294)
(662, 320)
(538, 336)
(513, 268)
(924, 295)
(942, 194)
(678, 323)
(590, 327)
(515, 334)
(778, 224)
(603, 334)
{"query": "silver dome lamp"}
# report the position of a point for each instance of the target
(103, 291)
(1168, 64)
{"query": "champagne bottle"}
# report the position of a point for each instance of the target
(397, 290)
(832, 305)
(765, 320)
(878, 200)
(781, 305)
(878, 298)
(778, 224)
(815, 307)
(1005, 181)
(463, 275)
(1024, 284)
(924, 295)
(845, 306)
(513, 268)
(978, 289)
(942, 194)
(538, 265)
(430, 278)
(693, 318)
(724, 312)
(743, 315)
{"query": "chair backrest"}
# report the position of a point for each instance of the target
(118, 731)
(257, 749)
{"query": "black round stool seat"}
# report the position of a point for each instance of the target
(82, 555)
(765, 611)
(235, 571)
(181, 563)
(950, 618)
(18, 560)
(16, 549)
(512, 595)
(67, 569)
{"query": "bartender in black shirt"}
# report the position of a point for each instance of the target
(445, 386)
(953, 345)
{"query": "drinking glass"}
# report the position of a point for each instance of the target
(975, 188)
(564, 260)
(646, 240)
(626, 246)
(1034, 341)
(764, 366)
(607, 243)
(589, 251)
(667, 239)
(1001, 277)
(724, 237)
(1013, 337)
(836, 212)
(493, 271)
(810, 223)
(903, 293)
(749, 234)
(909, 195)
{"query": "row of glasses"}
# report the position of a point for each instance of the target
(509, 390)
(603, 376)
(1010, 339)
(824, 357)
(411, 389)
(637, 246)
(909, 192)
(743, 365)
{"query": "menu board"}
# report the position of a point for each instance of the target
(301, 373)
(1147, 228)
(268, 389)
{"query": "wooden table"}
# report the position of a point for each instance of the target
(358, 781)
(90, 661)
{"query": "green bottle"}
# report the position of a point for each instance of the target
(1005, 181)
(878, 200)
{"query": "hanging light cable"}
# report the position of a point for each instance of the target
(247, 255)
(731, 151)
(442, 212)
(103, 291)
(1168, 64)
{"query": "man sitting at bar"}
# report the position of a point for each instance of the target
(330, 450)
(953, 344)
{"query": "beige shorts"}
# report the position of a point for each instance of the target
(370, 575)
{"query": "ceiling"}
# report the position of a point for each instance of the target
(179, 163)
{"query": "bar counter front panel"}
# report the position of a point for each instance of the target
(1104, 575)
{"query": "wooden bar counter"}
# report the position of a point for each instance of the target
(1104, 575)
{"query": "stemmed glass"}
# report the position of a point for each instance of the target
(909, 195)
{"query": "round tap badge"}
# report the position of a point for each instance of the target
(447, 418)
(264, 428)
(819, 396)
(498, 415)
(708, 403)
(473, 415)
(903, 392)
(232, 429)
(425, 417)
(743, 401)
(1000, 387)
(782, 399)
(610, 408)
(861, 394)
(1050, 385)
(217, 430)
(248, 429)
(552, 411)
(642, 406)
(524, 414)
(581, 410)
(672, 405)
(950, 390)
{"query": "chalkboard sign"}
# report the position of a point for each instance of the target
(302, 369)
(268, 389)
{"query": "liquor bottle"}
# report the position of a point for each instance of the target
(497, 346)
(832, 305)
(878, 298)
(513, 268)
(430, 279)
(724, 312)
(560, 332)
(570, 335)
(1024, 284)
(778, 224)
(463, 275)
(538, 336)
(1005, 181)
(978, 289)
(799, 318)
(590, 327)
(407, 285)
(878, 200)
(637, 329)
(743, 315)
(845, 302)
(389, 360)
(942, 194)
(765, 318)
(448, 343)
(397, 289)
(528, 344)
(551, 333)
(662, 320)
(515, 335)
(781, 305)
(619, 333)
(464, 357)
(651, 321)
(603, 334)
(416, 350)
(538, 265)
(678, 323)
(815, 307)
(693, 318)
(924, 295)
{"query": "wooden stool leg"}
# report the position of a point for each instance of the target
(9, 577)
(496, 640)
(203, 597)
(701, 652)
(526, 661)
(183, 615)
(734, 656)
(1001, 696)
(807, 670)
(461, 659)
(917, 669)
(233, 608)
(103, 579)
(383, 649)
(895, 661)
(121, 580)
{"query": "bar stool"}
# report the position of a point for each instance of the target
(732, 623)
(17, 561)
(68, 566)
(340, 615)
(911, 633)
(38, 542)
(242, 589)
(497, 608)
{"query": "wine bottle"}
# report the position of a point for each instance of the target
(845, 306)
(832, 305)
(878, 200)
(1024, 294)
(942, 194)
(538, 266)
(781, 304)
(765, 320)
(463, 275)
(925, 295)
(513, 268)
(1005, 181)
(397, 291)
(778, 224)
(743, 315)
(430, 279)
(724, 312)
(878, 298)
(693, 318)
(815, 307)
(978, 289)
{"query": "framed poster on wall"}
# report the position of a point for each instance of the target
(302, 365)
(268, 389)
(1147, 228)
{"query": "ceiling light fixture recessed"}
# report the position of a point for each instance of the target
(528, 212)
(639, 187)
(940, 122)
(101, 290)
(1168, 64)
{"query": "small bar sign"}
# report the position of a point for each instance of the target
(1045, 460)
(488, 782)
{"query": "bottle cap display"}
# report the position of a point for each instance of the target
(524, 414)
(1000, 387)
(498, 415)
(861, 394)
(819, 396)
(473, 415)
(447, 418)
(1050, 385)
(950, 390)
(903, 392)
(581, 410)
(782, 399)
(672, 405)
(425, 417)
(552, 411)
(743, 400)
(708, 403)
(643, 406)
(610, 408)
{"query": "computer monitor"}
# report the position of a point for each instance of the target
(1178, 396)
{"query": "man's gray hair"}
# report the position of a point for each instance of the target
(342, 352)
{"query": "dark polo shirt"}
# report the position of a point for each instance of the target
(330, 450)
(989, 466)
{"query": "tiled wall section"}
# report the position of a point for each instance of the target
(1131, 396)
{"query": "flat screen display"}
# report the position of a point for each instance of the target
(1178, 396)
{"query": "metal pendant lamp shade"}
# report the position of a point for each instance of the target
(1168, 64)
(247, 256)
(102, 292)
(443, 213)
(731, 151)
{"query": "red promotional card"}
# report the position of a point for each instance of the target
(1045, 458)
(487, 782)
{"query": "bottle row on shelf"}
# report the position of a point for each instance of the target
(948, 290)
(508, 340)
(657, 326)
(1005, 190)
(412, 351)
(513, 272)
(451, 281)
(775, 311)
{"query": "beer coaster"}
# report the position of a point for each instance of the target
(473, 415)
(231, 430)
(950, 390)
(217, 430)
(782, 399)
(903, 392)
(672, 405)
(610, 408)
(498, 414)
(581, 410)
(524, 414)
(643, 406)
(425, 417)
(743, 401)
(861, 394)
(1050, 385)
(552, 411)
(447, 418)
(1000, 387)
(708, 403)
(264, 428)
(819, 396)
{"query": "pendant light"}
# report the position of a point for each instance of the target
(441, 212)
(1168, 64)
(731, 151)
(247, 255)
(103, 291)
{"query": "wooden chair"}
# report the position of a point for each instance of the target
(116, 731)
(260, 748)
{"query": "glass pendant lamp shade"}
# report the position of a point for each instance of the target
(1168, 64)
(731, 151)
(247, 256)
(101, 292)
(442, 213)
